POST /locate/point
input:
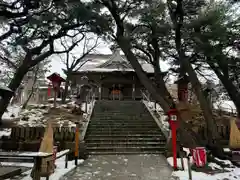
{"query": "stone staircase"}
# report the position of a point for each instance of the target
(123, 127)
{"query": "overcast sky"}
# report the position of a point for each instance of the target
(103, 48)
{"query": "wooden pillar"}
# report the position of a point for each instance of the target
(133, 91)
(100, 92)
(55, 99)
(119, 98)
(133, 88)
(113, 93)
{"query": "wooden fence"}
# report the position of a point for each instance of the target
(223, 130)
(36, 133)
(29, 138)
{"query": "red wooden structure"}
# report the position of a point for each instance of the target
(56, 80)
(173, 121)
(182, 83)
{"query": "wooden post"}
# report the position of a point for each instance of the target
(76, 143)
(66, 161)
(100, 92)
(36, 171)
(181, 156)
(189, 168)
(55, 99)
(119, 98)
(133, 92)
(48, 165)
(86, 101)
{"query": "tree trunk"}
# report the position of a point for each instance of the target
(14, 84)
(65, 92)
(177, 18)
(32, 90)
(190, 138)
(127, 49)
(28, 99)
(162, 86)
(229, 86)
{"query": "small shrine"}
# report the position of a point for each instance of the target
(182, 87)
(56, 80)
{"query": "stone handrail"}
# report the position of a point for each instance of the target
(89, 105)
(156, 113)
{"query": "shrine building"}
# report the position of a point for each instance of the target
(113, 76)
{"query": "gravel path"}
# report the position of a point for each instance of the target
(122, 167)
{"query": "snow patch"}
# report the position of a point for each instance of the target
(232, 173)
(5, 132)
(58, 173)
(12, 112)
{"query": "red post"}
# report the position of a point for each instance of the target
(173, 125)
(174, 145)
(76, 144)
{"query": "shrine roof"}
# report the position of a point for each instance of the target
(111, 63)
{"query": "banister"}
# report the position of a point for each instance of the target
(156, 113)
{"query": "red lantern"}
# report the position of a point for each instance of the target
(173, 121)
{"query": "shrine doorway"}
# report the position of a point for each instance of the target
(116, 92)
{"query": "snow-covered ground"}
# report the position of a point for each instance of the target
(230, 173)
(225, 105)
(59, 171)
(36, 115)
(12, 112)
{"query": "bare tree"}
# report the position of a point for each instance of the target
(73, 62)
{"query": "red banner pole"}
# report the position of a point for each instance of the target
(76, 153)
(174, 144)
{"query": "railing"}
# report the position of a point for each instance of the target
(89, 105)
(156, 112)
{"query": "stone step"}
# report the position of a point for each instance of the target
(125, 102)
(121, 113)
(122, 122)
(89, 136)
(126, 144)
(122, 125)
(128, 149)
(115, 107)
(123, 130)
(142, 119)
(125, 152)
(124, 133)
(137, 114)
(129, 139)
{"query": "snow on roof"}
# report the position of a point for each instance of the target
(111, 63)
(146, 67)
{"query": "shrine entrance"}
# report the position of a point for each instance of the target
(116, 92)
